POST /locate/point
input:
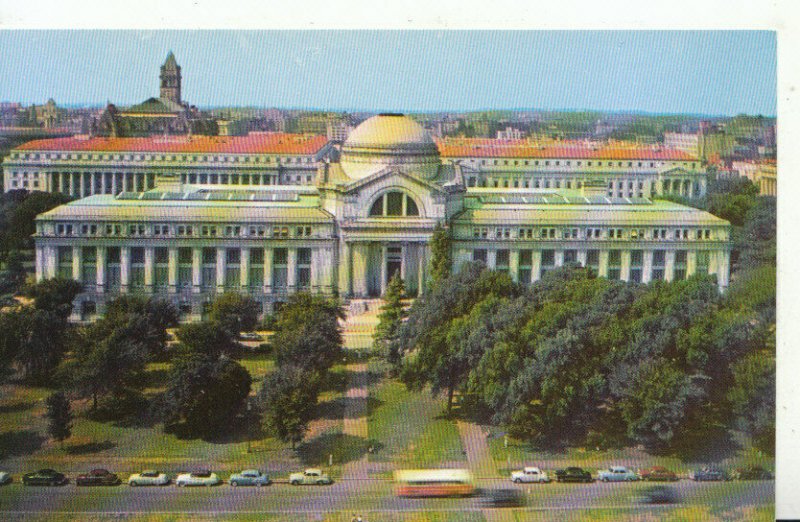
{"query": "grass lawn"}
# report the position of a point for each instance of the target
(130, 446)
(409, 429)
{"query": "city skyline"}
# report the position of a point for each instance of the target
(714, 73)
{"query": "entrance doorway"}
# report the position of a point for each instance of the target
(394, 263)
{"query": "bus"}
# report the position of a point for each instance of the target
(434, 483)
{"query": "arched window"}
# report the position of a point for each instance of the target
(393, 204)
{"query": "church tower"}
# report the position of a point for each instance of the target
(171, 79)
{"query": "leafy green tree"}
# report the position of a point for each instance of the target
(205, 395)
(207, 338)
(20, 218)
(390, 319)
(13, 325)
(753, 398)
(441, 255)
(307, 333)
(55, 295)
(59, 417)
(235, 313)
(757, 241)
(289, 399)
(13, 277)
(139, 319)
(43, 336)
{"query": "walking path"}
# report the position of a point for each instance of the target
(355, 419)
(473, 440)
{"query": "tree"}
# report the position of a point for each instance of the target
(757, 240)
(208, 339)
(43, 342)
(289, 398)
(753, 398)
(13, 278)
(235, 313)
(59, 417)
(441, 255)
(55, 295)
(307, 333)
(390, 319)
(205, 395)
(21, 216)
(139, 319)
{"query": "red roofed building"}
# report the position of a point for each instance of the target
(628, 170)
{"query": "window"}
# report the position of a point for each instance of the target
(233, 272)
(548, 261)
(703, 259)
(680, 265)
(524, 270)
(593, 259)
(659, 262)
(479, 254)
(303, 275)
(392, 204)
(614, 264)
(570, 256)
(635, 274)
(184, 268)
(502, 261)
(280, 267)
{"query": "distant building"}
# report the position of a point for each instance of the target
(166, 114)
(689, 143)
(510, 133)
(764, 174)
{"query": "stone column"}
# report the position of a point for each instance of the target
(197, 262)
(114, 183)
(669, 265)
(602, 269)
(291, 276)
(267, 270)
(101, 269)
(40, 263)
(244, 269)
(77, 264)
(559, 258)
(384, 272)
(422, 260)
(691, 263)
(343, 267)
(582, 257)
(647, 265)
(103, 186)
(172, 270)
(536, 265)
(625, 265)
(723, 269)
(491, 259)
(124, 268)
(149, 266)
(50, 256)
(360, 252)
(81, 185)
(220, 266)
(513, 264)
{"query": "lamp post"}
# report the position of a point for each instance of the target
(249, 421)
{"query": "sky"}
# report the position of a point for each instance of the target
(690, 72)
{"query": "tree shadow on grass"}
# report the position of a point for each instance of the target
(335, 381)
(19, 443)
(17, 407)
(338, 408)
(344, 448)
(90, 447)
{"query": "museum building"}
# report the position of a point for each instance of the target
(352, 225)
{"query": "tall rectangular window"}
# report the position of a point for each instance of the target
(137, 267)
(113, 273)
(525, 262)
(89, 271)
(570, 256)
(65, 262)
(614, 264)
(256, 268)
(659, 264)
(548, 261)
(161, 271)
(208, 274)
(280, 268)
(303, 275)
(184, 268)
(502, 261)
(479, 254)
(635, 274)
(593, 260)
(703, 260)
(233, 269)
(680, 265)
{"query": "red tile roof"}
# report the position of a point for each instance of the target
(253, 143)
(492, 148)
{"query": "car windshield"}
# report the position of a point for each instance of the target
(149, 473)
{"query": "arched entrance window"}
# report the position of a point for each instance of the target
(394, 204)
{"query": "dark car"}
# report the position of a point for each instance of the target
(708, 474)
(658, 473)
(752, 473)
(98, 477)
(573, 474)
(44, 477)
(658, 495)
(503, 497)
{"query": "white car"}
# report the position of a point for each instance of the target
(310, 476)
(197, 478)
(5, 477)
(148, 477)
(529, 474)
(616, 474)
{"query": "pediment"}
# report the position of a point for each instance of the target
(388, 173)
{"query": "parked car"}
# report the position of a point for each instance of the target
(529, 474)
(250, 336)
(573, 474)
(249, 477)
(658, 495)
(44, 477)
(201, 477)
(708, 474)
(97, 477)
(504, 497)
(658, 473)
(617, 474)
(5, 478)
(752, 473)
(309, 476)
(148, 477)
